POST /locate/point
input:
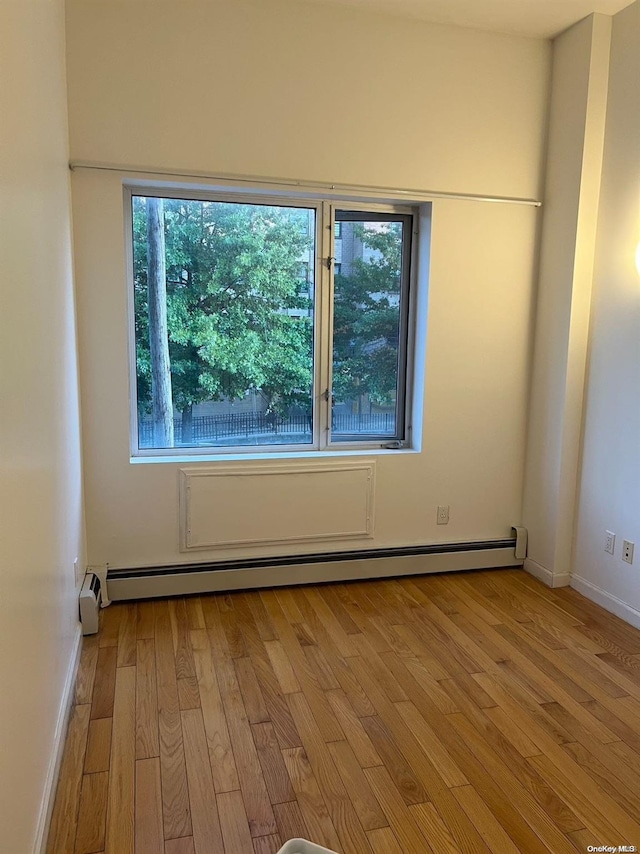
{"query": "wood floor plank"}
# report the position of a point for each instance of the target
(363, 614)
(392, 637)
(536, 802)
(175, 792)
(396, 811)
(207, 835)
(305, 636)
(593, 818)
(120, 813)
(512, 732)
(484, 821)
(626, 797)
(291, 824)
(363, 800)
(343, 815)
(195, 614)
(411, 635)
(109, 621)
(86, 670)
(461, 754)
(619, 673)
(127, 635)
(183, 845)
(321, 667)
(252, 697)
(234, 824)
(348, 683)
(183, 654)
(405, 780)
(267, 844)
(426, 772)
(444, 764)
(149, 834)
(254, 791)
(353, 729)
(501, 742)
(223, 765)
(379, 671)
(288, 602)
(65, 811)
(434, 829)
(341, 639)
(105, 683)
(548, 662)
(272, 694)
(145, 620)
(383, 841)
(330, 596)
(282, 667)
(188, 694)
(303, 673)
(414, 678)
(313, 808)
(260, 617)
(617, 719)
(98, 746)
(147, 736)
(554, 754)
(229, 622)
(92, 817)
(274, 770)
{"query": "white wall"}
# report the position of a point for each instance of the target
(571, 198)
(325, 94)
(610, 485)
(280, 89)
(40, 480)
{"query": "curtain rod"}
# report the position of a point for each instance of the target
(258, 181)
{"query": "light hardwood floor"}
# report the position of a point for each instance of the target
(468, 712)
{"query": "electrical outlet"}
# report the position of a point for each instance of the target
(443, 514)
(609, 542)
(627, 551)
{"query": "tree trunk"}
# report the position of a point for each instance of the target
(187, 425)
(158, 334)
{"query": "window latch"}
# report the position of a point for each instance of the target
(327, 394)
(330, 260)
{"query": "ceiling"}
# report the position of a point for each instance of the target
(536, 18)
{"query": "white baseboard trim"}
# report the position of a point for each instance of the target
(607, 600)
(55, 760)
(545, 575)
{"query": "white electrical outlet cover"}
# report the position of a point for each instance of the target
(610, 542)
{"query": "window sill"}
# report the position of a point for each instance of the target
(284, 455)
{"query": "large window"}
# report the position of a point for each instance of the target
(268, 324)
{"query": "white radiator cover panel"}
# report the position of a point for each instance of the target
(239, 505)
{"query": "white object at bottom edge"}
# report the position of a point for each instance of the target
(302, 846)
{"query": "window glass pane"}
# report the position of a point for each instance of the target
(368, 373)
(223, 323)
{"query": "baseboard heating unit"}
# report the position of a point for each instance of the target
(149, 582)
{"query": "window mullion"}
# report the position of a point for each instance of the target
(324, 325)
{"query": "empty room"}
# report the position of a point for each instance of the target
(320, 426)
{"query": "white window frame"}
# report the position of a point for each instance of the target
(322, 442)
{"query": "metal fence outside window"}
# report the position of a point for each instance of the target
(211, 429)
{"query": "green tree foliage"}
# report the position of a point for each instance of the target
(232, 272)
(366, 319)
